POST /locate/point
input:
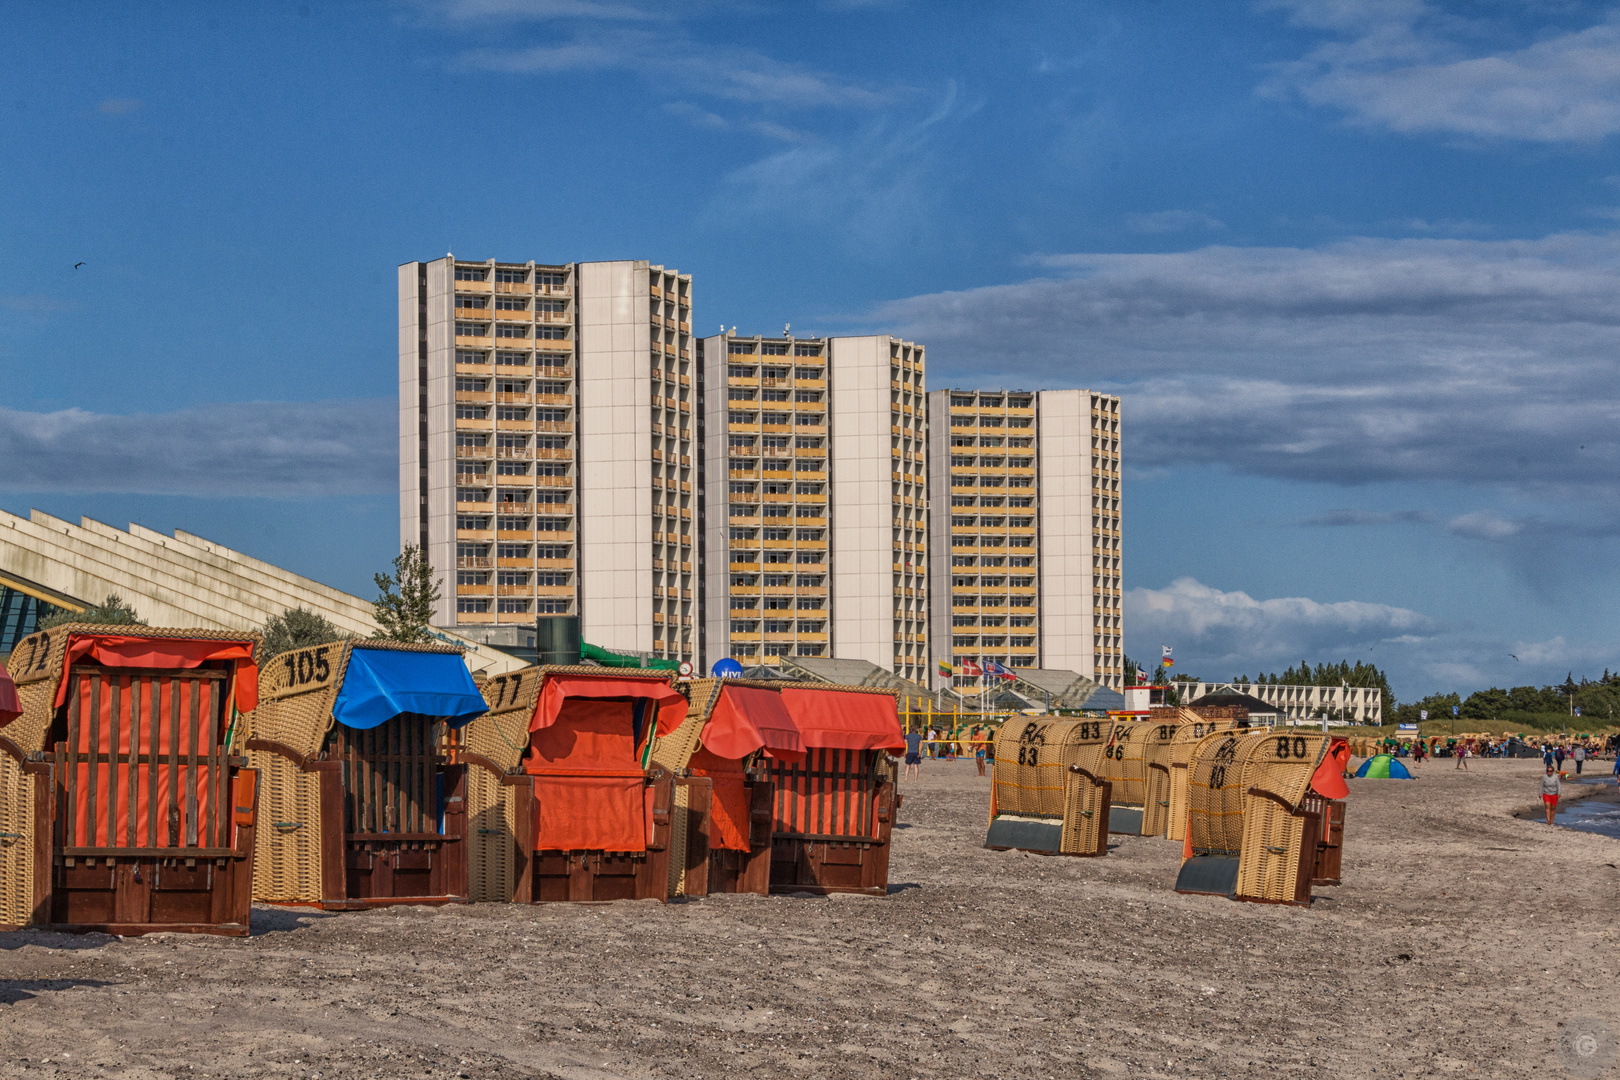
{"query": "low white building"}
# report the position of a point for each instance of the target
(1353, 704)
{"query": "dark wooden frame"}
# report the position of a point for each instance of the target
(179, 886)
(808, 856)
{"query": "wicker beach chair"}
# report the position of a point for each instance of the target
(569, 783)
(1255, 832)
(364, 805)
(1048, 793)
(124, 805)
(832, 815)
(720, 831)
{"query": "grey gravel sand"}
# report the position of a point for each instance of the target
(1460, 941)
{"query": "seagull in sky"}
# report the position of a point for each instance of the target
(1514, 657)
(77, 265)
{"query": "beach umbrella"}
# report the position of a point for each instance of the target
(1383, 767)
(10, 706)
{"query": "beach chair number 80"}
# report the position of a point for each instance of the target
(1297, 749)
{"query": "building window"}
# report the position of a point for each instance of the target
(512, 468)
(553, 388)
(742, 418)
(511, 578)
(807, 350)
(745, 580)
(512, 604)
(551, 333)
(471, 386)
(809, 534)
(511, 303)
(740, 626)
(778, 534)
(511, 551)
(553, 524)
(1023, 601)
(512, 524)
(471, 273)
(550, 281)
(550, 442)
(553, 579)
(551, 416)
(472, 551)
(552, 551)
(476, 303)
(511, 412)
(512, 497)
(470, 494)
(739, 371)
(809, 558)
(471, 412)
(470, 356)
(511, 277)
(472, 577)
(476, 604)
(512, 359)
(551, 605)
(774, 348)
(511, 330)
(964, 642)
(472, 329)
(1021, 582)
(740, 348)
(742, 534)
(808, 489)
(779, 626)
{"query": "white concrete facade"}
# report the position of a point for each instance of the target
(533, 471)
(1354, 704)
(1025, 543)
(877, 505)
(180, 580)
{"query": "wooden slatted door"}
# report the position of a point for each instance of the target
(393, 838)
(830, 823)
(144, 833)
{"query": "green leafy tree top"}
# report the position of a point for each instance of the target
(296, 628)
(404, 605)
(111, 612)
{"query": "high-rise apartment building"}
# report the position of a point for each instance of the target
(816, 508)
(547, 446)
(1025, 556)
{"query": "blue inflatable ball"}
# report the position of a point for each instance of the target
(726, 669)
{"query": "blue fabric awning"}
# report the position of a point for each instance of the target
(382, 683)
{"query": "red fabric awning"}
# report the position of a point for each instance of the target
(129, 651)
(559, 688)
(747, 718)
(10, 704)
(1328, 780)
(588, 784)
(844, 719)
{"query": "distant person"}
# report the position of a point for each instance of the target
(1551, 788)
(1580, 757)
(1462, 756)
(978, 755)
(914, 754)
(1546, 755)
(1558, 756)
(933, 742)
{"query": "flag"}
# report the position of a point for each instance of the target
(1141, 675)
(1167, 651)
(971, 670)
(1167, 662)
(991, 667)
(945, 669)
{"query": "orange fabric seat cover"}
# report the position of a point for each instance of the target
(122, 651)
(728, 802)
(845, 720)
(746, 719)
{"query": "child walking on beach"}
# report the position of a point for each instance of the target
(1551, 788)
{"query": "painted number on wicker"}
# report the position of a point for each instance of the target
(506, 691)
(1287, 748)
(308, 666)
(39, 651)
(1030, 741)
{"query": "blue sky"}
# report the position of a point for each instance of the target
(1353, 264)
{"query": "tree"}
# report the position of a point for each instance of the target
(296, 628)
(110, 612)
(404, 605)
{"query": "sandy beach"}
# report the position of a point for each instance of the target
(1461, 939)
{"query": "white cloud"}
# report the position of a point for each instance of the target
(267, 448)
(1229, 627)
(1368, 360)
(1485, 525)
(1406, 66)
(1370, 517)
(1172, 221)
(670, 58)
(1221, 635)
